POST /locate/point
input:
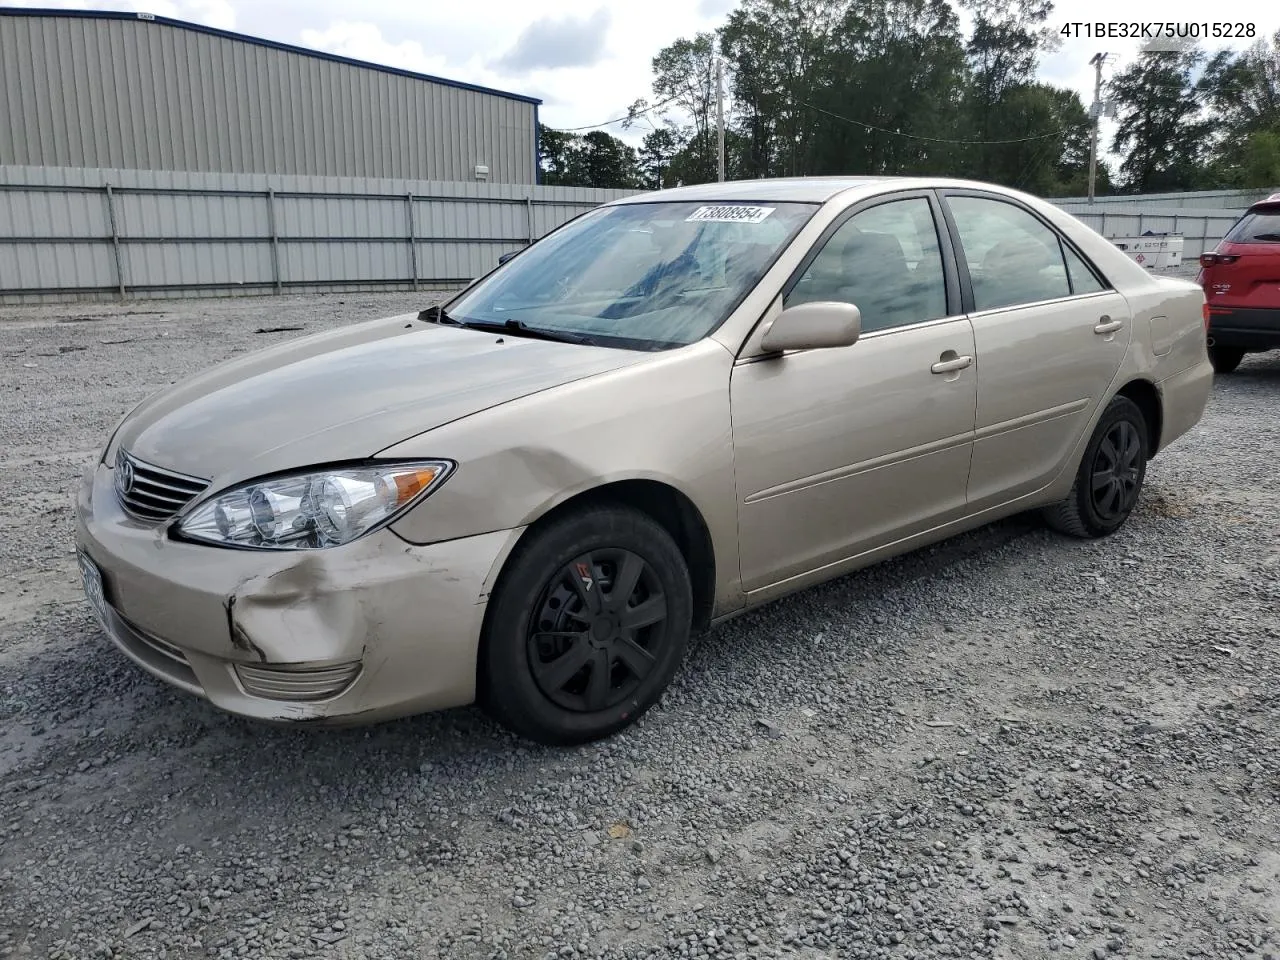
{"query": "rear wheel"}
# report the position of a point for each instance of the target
(587, 626)
(1225, 359)
(1110, 475)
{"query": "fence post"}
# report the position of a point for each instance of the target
(528, 213)
(413, 242)
(275, 239)
(1103, 229)
(115, 239)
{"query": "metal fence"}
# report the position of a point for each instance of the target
(1198, 199)
(1201, 229)
(72, 233)
(68, 233)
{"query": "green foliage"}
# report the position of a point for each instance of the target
(817, 87)
(1161, 132)
(1242, 93)
(595, 159)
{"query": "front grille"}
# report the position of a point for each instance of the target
(152, 493)
(294, 682)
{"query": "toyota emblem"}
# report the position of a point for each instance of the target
(126, 476)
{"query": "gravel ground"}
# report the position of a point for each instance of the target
(1010, 745)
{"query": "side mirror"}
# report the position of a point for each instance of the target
(507, 256)
(813, 326)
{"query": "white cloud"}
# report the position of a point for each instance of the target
(364, 41)
(220, 14)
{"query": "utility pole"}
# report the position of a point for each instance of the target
(720, 117)
(1096, 110)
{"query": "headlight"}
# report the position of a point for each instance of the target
(306, 511)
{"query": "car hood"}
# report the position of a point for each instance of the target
(345, 394)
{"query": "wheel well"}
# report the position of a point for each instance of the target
(1144, 394)
(678, 516)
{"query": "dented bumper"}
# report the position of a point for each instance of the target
(375, 629)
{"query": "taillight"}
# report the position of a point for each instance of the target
(1204, 311)
(1214, 259)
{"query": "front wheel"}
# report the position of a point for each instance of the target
(586, 628)
(1110, 475)
(1225, 359)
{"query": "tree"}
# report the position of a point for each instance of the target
(1243, 93)
(1161, 133)
(1260, 160)
(682, 76)
(597, 159)
(895, 67)
(555, 152)
(659, 147)
(602, 160)
(1003, 52)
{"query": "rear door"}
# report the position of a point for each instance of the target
(1050, 335)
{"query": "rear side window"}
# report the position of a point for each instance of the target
(1013, 258)
(1082, 278)
(1261, 226)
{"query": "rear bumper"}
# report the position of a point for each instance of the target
(1184, 397)
(1251, 328)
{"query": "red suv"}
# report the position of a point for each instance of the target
(1241, 281)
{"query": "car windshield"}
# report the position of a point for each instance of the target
(1260, 226)
(643, 275)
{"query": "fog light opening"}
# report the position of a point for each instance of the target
(296, 682)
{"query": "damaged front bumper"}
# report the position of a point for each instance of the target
(374, 629)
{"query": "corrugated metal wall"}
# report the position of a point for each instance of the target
(1197, 199)
(74, 233)
(1201, 228)
(121, 92)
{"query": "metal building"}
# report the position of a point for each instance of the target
(140, 92)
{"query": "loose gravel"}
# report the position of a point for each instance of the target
(1009, 745)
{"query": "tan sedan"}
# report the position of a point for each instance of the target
(676, 407)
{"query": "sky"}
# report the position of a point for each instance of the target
(588, 60)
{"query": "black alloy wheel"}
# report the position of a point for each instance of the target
(1109, 478)
(586, 626)
(598, 629)
(1117, 472)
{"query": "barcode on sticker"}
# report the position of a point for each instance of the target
(729, 214)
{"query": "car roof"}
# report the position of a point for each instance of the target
(800, 189)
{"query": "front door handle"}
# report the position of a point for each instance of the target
(952, 365)
(1106, 325)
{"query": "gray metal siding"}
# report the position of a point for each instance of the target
(145, 95)
(200, 234)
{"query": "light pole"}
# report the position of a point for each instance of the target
(1095, 109)
(717, 66)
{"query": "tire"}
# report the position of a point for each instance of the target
(1110, 475)
(1225, 359)
(554, 609)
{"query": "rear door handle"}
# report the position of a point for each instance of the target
(1107, 325)
(951, 366)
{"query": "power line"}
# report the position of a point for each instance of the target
(609, 123)
(912, 136)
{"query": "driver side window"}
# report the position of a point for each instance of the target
(886, 261)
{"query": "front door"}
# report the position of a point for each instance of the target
(1050, 336)
(842, 450)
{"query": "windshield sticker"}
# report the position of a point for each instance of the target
(727, 214)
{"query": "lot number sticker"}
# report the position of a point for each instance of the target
(727, 214)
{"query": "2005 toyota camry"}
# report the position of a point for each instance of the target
(671, 409)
